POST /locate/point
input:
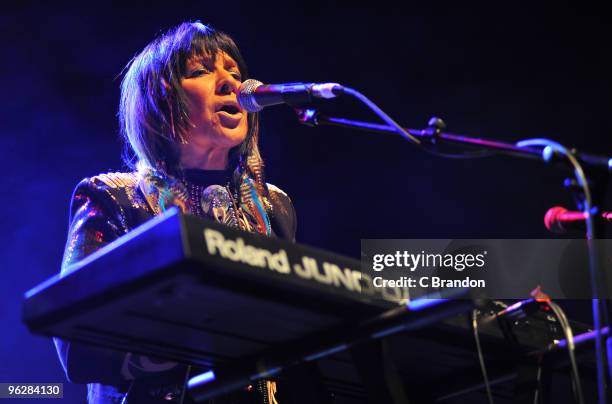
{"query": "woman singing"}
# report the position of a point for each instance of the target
(184, 131)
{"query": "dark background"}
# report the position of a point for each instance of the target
(503, 70)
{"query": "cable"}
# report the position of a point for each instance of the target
(571, 348)
(550, 147)
(483, 367)
(404, 133)
(184, 389)
(381, 114)
(536, 396)
(393, 126)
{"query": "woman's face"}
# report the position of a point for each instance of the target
(217, 120)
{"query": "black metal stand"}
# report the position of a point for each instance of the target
(434, 136)
(416, 314)
(378, 374)
(600, 286)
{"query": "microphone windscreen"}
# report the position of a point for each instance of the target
(246, 99)
(552, 219)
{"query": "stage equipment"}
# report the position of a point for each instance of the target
(198, 292)
(254, 95)
(559, 220)
(591, 172)
(240, 306)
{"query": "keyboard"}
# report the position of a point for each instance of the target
(192, 290)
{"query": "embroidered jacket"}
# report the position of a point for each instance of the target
(104, 208)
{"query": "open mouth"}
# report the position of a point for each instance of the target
(230, 109)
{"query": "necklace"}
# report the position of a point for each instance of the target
(217, 203)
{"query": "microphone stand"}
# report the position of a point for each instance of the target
(598, 168)
(433, 135)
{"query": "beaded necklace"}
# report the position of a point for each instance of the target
(216, 202)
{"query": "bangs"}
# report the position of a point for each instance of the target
(195, 40)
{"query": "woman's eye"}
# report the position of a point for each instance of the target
(198, 72)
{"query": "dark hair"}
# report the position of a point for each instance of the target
(153, 109)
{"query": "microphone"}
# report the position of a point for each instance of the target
(254, 96)
(560, 220)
